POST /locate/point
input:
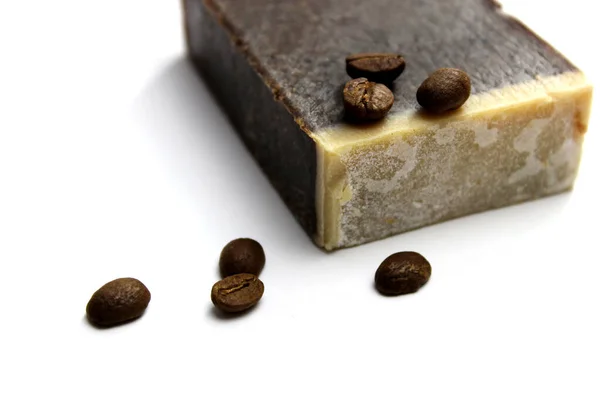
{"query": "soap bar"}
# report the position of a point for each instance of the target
(278, 69)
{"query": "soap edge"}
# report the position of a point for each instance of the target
(255, 64)
(289, 162)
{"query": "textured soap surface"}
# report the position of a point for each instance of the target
(277, 67)
(302, 45)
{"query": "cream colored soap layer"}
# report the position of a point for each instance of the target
(503, 147)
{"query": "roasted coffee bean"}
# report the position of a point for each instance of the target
(364, 100)
(237, 292)
(376, 67)
(242, 256)
(402, 273)
(445, 90)
(118, 301)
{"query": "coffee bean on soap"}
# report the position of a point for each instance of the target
(237, 293)
(367, 101)
(446, 89)
(402, 273)
(242, 256)
(376, 67)
(118, 301)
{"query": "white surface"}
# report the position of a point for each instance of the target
(115, 161)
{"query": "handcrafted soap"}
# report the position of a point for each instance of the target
(278, 69)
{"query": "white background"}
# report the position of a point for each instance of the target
(115, 161)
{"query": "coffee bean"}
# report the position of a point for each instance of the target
(237, 292)
(446, 89)
(402, 273)
(376, 67)
(118, 301)
(242, 256)
(364, 100)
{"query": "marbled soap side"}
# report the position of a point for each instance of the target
(511, 145)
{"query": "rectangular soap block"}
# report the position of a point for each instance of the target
(278, 68)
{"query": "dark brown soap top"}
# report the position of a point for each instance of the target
(301, 46)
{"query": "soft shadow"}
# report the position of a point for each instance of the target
(429, 116)
(205, 160)
(396, 296)
(219, 315)
(363, 124)
(102, 328)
